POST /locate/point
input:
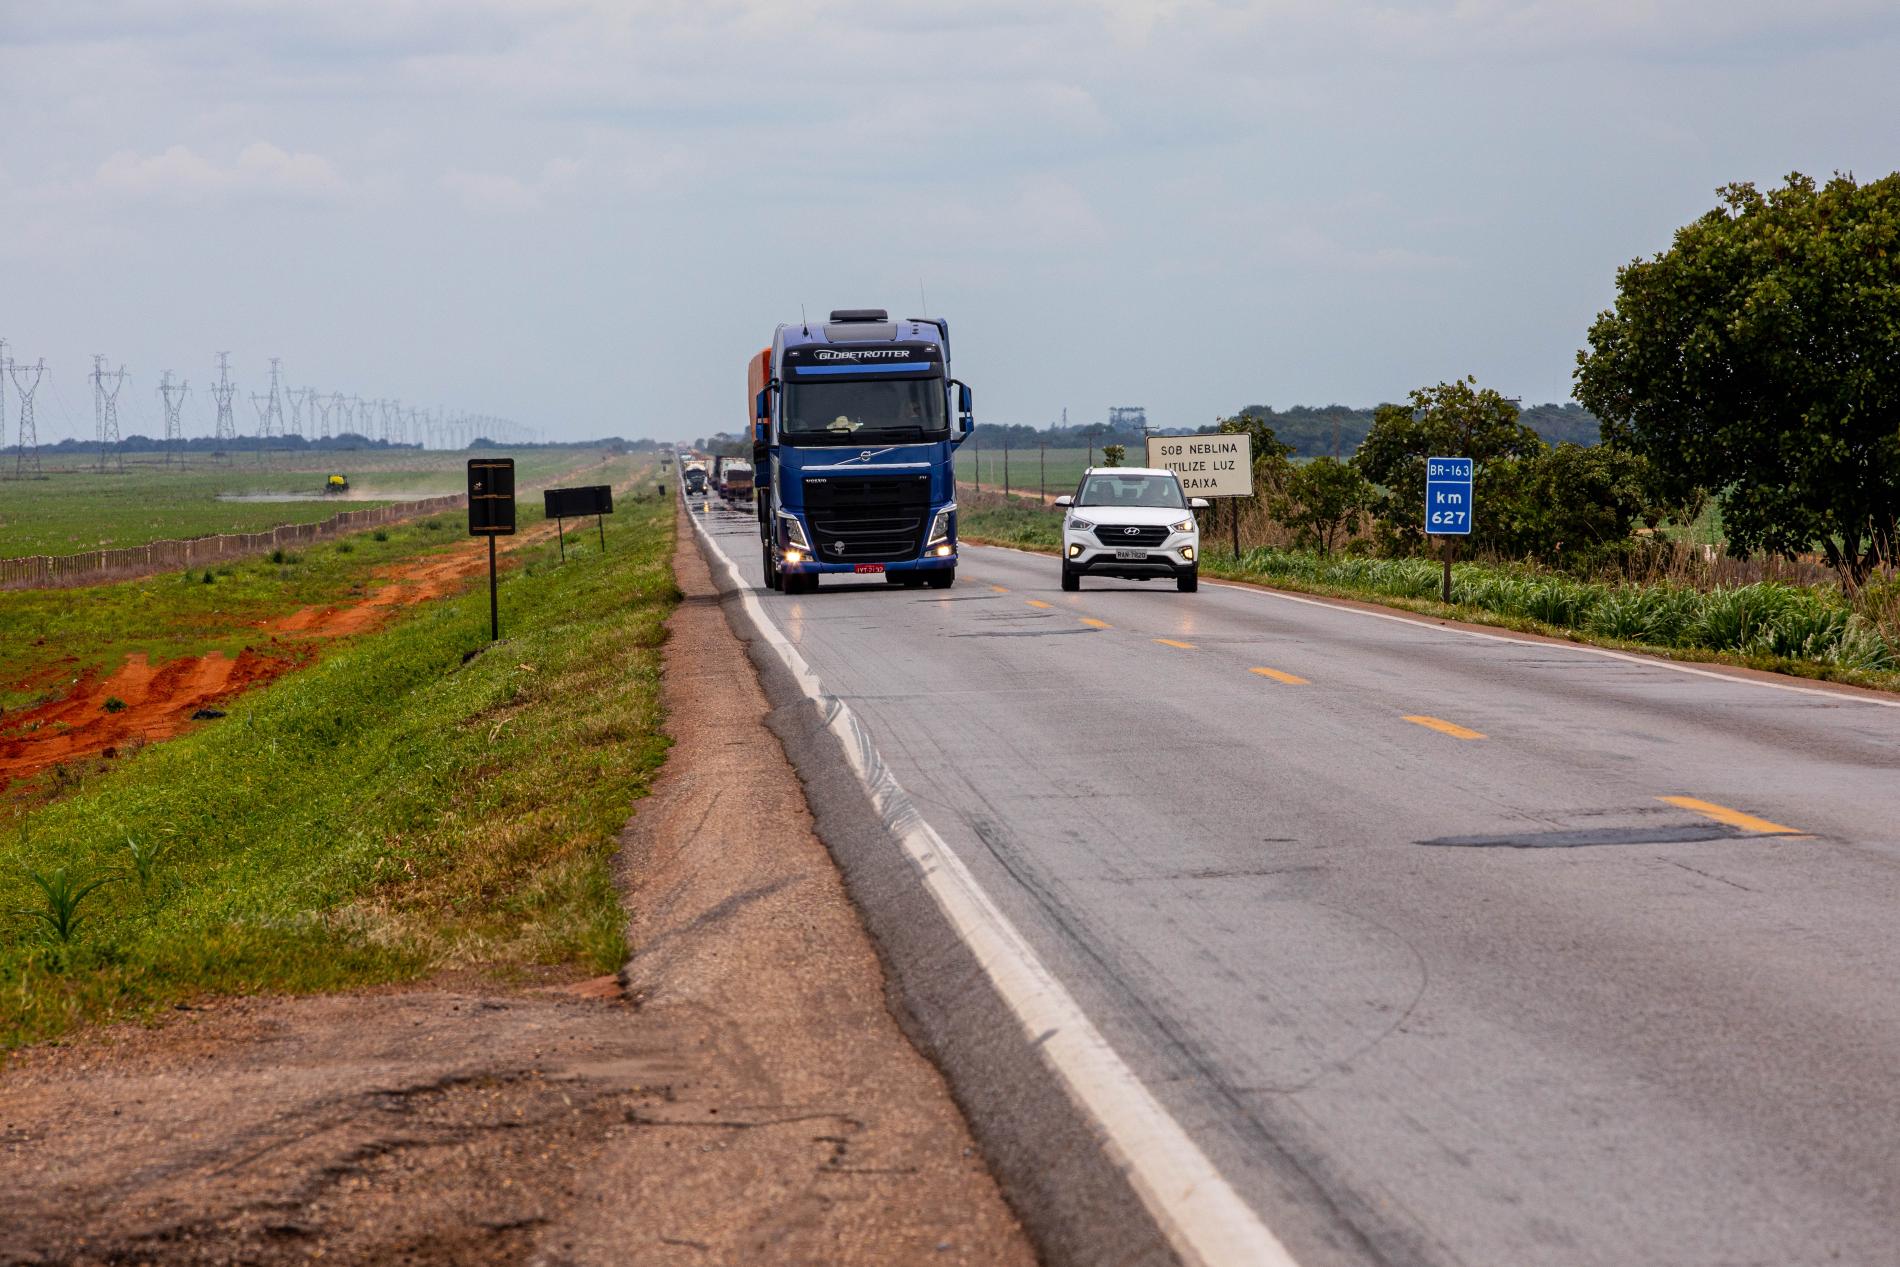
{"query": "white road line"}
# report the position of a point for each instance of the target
(1202, 1216)
(1431, 622)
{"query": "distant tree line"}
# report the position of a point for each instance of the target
(1308, 430)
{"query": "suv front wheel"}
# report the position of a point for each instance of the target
(1071, 581)
(1189, 581)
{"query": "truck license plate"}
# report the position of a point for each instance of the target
(870, 567)
(1133, 556)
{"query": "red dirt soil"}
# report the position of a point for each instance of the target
(159, 701)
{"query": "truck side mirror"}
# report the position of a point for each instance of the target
(965, 423)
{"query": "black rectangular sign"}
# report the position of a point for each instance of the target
(573, 503)
(491, 497)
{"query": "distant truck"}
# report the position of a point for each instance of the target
(735, 480)
(854, 426)
(695, 477)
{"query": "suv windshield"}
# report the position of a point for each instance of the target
(857, 410)
(1160, 492)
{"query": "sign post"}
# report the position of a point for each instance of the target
(560, 504)
(491, 514)
(1209, 466)
(1448, 506)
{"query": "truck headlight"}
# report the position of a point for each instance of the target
(940, 526)
(794, 531)
(1186, 525)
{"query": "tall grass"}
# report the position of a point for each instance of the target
(1766, 619)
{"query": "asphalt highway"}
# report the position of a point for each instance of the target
(1444, 947)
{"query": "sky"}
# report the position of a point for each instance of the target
(584, 215)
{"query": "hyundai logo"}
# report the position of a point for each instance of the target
(1131, 532)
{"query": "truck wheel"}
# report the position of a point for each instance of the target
(1071, 582)
(774, 579)
(942, 580)
(1188, 581)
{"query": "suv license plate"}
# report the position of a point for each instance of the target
(1133, 556)
(870, 567)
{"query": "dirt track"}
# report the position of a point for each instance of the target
(748, 1099)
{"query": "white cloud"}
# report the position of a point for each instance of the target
(181, 174)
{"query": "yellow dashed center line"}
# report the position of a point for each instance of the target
(1000, 589)
(1444, 727)
(1093, 623)
(1037, 602)
(1169, 642)
(1733, 817)
(1289, 678)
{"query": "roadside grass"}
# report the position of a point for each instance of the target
(55, 635)
(1812, 631)
(418, 800)
(75, 508)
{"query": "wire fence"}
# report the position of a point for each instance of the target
(54, 571)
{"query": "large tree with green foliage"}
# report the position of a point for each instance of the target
(1759, 358)
(1456, 419)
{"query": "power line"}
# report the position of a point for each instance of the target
(173, 396)
(29, 429)
(221, 393)
(105, 409)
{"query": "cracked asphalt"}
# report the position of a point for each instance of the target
(1446, 948)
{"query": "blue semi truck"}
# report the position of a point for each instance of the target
(855, 421)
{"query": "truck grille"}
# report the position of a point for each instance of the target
(868, 520)
(1130, 535)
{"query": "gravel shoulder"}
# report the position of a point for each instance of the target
(740, 1093)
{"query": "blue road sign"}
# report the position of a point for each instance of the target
(1448, 496)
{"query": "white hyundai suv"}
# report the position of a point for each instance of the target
(1132, 522)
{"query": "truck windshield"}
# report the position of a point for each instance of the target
(1160, 492)
(859, 410)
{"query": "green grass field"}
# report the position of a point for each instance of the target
(75, 509)
(1029, 469)
(417, 799)
(55, 635)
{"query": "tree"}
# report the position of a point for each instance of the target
(1323, 502)
(1456, 419)
(1758, 358)
(1566, 502)
(1113, 455)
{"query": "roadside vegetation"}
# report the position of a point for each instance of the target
(417, 800)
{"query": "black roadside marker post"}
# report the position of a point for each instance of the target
(491, 514)
(560, 504)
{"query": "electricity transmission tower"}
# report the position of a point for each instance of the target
(105, 409)
(221, 392)
(26, 384)
(174, 397)
(336, 412)
(270, 407)
(3, 396)
(297, 397)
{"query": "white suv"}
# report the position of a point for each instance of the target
(1131, 522)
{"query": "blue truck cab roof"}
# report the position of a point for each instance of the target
(859, 326)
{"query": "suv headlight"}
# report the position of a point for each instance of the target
(794, 531)
(1081, 525)
(1186, 525)
(940, 526)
